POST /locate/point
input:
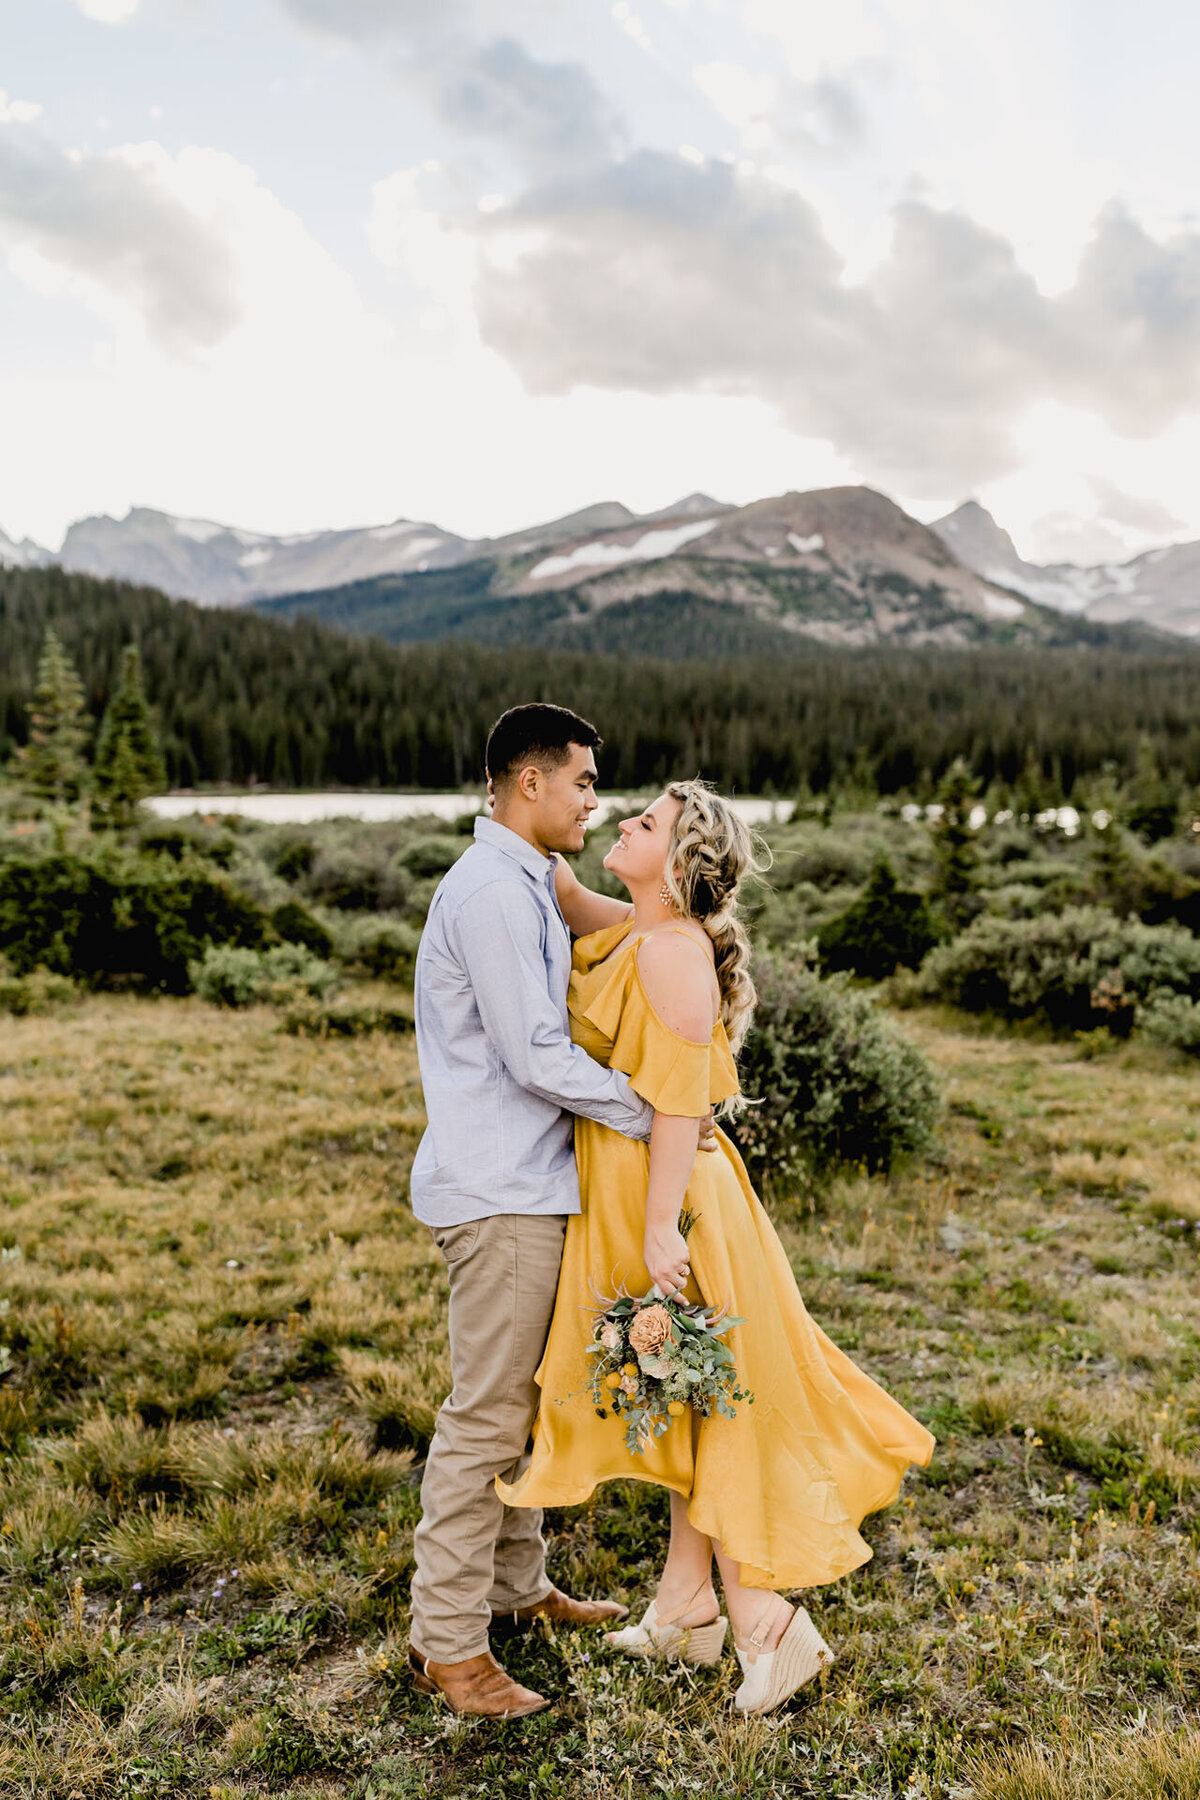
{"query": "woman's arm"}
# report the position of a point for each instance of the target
(681, 991)
(582, 908)
(672, 1154)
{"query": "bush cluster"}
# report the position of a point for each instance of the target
(384, 947)
(142, 918)
(1170, 1019)
(37, 992)
(1075, 970)
(834, 1081)
(229, 976)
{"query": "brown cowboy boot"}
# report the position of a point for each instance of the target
(478, 1686)
(562, 1609)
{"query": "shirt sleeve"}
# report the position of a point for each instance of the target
(499, 942)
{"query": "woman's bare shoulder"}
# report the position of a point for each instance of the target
(682, 991)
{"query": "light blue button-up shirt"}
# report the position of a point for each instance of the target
(500, 1073)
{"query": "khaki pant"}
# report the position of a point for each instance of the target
(474, 1555)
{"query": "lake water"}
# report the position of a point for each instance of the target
(304, 809)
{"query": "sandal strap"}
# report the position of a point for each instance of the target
(668, 1618)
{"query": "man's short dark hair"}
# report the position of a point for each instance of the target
(536, 734)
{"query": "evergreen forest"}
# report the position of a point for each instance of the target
(239, 697)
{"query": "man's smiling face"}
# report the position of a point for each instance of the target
(566, 800)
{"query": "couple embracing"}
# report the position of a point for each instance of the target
(572, 1047)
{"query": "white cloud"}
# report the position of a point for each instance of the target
(815, 38)
(669, 276)
(775, 113)
(408, 234)
(1072, 495)
(18, 112)
(315, 409)
(117, 235)
(900, 279)
(108, 12)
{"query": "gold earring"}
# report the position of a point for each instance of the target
(664, 894)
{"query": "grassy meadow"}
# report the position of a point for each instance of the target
(226, 1337)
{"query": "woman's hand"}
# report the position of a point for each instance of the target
(666, 1254)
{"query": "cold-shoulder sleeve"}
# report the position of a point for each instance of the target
(675, 1074)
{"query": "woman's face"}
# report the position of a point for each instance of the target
(639, 856)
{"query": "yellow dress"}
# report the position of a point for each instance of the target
(784, 1484)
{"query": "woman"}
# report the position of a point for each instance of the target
(661, 989)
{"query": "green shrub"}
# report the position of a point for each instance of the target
(167, 838)
(346, 876)
(1016, 900)
(1126, 880)
(118, 916)
(37, 992)
(431, 855)
(420, 899)
(228, 976)
(1076, 970)
(1172, 1020)
(294, 859)
(887, 925)
(838, 1084)
(296, 925)
(829, 860)
(355, 872)
(386, 948)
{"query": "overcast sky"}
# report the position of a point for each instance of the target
(300, 263)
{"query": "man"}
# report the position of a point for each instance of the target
(495, 1180)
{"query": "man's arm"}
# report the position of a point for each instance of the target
(498, 938)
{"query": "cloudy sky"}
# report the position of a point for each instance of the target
(300, 263)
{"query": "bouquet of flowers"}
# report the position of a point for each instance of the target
(653, 1358)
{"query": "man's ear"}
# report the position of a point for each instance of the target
(529, 781)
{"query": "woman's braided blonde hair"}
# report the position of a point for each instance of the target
(711, 853)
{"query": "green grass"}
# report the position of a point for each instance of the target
(227, 1340)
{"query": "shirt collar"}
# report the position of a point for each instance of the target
(489, 831)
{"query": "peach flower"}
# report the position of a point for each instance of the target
(650, 1329)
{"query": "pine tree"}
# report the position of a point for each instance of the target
(51, 763)
(129, 763)
(956, 853)
(1151, 802)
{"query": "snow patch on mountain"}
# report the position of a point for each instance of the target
(200, 531)
(1159, 588)
(648, 548)
(806, 546)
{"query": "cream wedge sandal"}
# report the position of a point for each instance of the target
(655, 1637)
(772, 1676)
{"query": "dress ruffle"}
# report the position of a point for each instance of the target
(677, 1075)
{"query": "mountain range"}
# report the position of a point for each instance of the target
(842, 565)
(1159, 587)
